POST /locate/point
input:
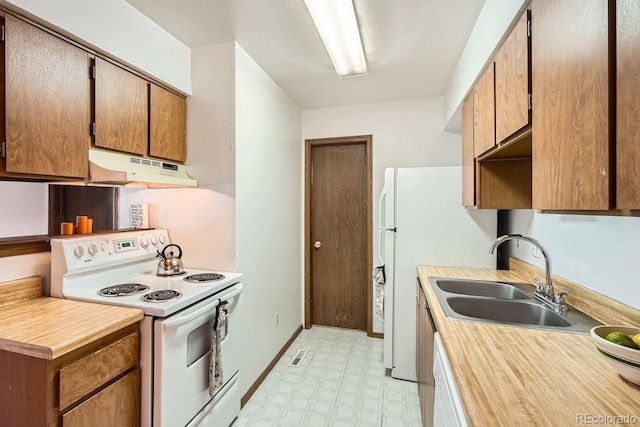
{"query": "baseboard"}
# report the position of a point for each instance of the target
(377, 335)
(268, 369)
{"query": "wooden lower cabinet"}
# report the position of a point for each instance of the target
(95, 385)
(116, 405)
(425, 329)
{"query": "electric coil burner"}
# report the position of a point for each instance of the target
(123, 290)
(161, 295)
(204, 277)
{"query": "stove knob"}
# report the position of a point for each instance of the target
(144, 242)
(154, 240)
(78, 251)
(163, 238)
(93, 249)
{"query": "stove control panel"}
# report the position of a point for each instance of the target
(86, 252)
(131, 244)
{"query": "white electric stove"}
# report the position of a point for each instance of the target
(175, 349)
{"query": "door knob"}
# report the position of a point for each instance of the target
(317, 244)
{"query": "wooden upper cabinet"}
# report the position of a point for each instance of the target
(628, 110)
(47, 103)
(468, 160)
(121, 109)
(484, 120)
(512, 81)
(168, 120)
(570, 87)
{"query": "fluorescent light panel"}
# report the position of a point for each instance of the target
(338, 28)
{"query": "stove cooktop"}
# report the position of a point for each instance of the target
(83, 265)
(189, 292)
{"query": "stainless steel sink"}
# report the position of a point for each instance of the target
(485, 289)
(505, 303)
(506, 311)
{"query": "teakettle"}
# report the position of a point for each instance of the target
(170, 265)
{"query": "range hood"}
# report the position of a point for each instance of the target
(109, 168)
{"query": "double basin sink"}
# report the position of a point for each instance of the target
(507, 303)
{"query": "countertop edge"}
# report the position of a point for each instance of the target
(25, 325)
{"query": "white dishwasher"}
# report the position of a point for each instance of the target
(448, 408)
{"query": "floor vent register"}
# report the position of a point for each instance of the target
(297, 359)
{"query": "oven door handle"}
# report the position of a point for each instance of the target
(178, 320)
(237, 289)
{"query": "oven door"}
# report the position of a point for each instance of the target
(182, 353)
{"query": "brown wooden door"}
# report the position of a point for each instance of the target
(121, 109)
(340, 272)
(47, 103)
(628, 110)
(168, 125)
(570, 89)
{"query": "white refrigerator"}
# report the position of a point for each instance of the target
(423, 222)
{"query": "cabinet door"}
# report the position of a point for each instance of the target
(628, 110)
(570, 86)
(106, 364)
(121, 109)
(512, 82)
(424, 356)
(47, 103)
(484, 119)
(468, 159)
(168, 116)
(116, 405)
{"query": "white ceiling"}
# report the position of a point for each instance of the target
(412, 46)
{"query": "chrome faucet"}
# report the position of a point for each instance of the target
(544, 292)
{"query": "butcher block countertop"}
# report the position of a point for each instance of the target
(48, 328)
(510, 376)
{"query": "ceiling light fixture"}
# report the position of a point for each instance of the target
(336, 23)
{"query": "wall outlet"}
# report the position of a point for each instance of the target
(277, 318)
(535, 252)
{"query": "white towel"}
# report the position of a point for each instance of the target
(215, 366)
(379, 280)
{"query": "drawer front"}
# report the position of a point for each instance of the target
(116, 405)
(82, 377)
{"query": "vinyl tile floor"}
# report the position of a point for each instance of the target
(340, 382)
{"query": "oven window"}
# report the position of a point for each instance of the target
(199, 342)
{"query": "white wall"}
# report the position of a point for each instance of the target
(116, 27)
(268, 214)
(18, 267)
(598, 252)
(200, 221)
(24, 209)
(494, 21)
(405, 134)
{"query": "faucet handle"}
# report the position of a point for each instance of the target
(539, 285)
(560, 297)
